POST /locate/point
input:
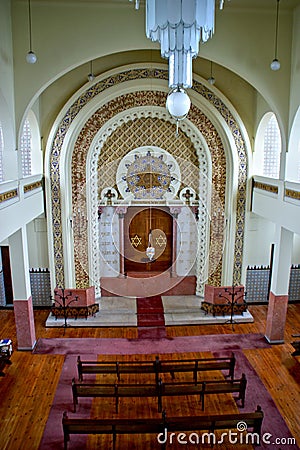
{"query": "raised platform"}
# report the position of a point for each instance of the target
(122, 312)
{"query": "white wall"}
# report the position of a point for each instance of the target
(38, 243)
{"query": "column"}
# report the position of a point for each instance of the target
(278, 297)
(174, 210)
(121, 211)
(23, 308)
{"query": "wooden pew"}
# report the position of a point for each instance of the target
(115, 391)
(158, 390)
(225, 387)
(157, 367)
(296, 345)
(161, 426)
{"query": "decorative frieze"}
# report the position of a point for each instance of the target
(8, 195)
(265, 187)
(33, 186)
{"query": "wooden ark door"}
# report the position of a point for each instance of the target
(138, 222)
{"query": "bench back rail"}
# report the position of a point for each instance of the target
(159, 390)
(157, 367)
(163, 425)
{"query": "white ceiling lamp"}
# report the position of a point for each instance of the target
(31, 56)
(178, 105)
(91, 75)
(275, 64)
(179, 26)
(211, 79)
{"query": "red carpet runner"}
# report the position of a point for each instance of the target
(150, 317)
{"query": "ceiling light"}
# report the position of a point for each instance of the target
(211, 79)
(179, 26)
(178, 105)
(31, 56)
(275, 64)
(91, 75)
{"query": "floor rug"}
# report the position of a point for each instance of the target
(274, 426)
(256, 393)
(119, 346)
(150, 317)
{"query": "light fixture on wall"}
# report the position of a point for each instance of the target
(211, 79)
(179, 26)
(275, 64)
(31, 56)
(91, 75)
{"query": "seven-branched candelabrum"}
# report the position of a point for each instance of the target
(64, 300)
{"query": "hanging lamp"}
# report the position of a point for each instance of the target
(31, 57)
(211, 79)
(275, 64)
(180, 26)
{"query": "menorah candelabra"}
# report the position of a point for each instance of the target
(64, 301)
(232, 299)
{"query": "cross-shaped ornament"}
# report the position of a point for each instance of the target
(188, 195)
(109, 195)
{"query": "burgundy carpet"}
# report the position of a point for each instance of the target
(119, 346)
(150, 317)
(256, 393)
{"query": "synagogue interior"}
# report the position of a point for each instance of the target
(150, 211)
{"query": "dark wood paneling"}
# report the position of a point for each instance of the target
(138, 223)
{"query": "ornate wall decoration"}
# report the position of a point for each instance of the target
(8, 195)
(265, 187)
(143, 99)
(148, 173)
(292, 194)
(129, 136)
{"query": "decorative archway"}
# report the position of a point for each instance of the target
(142, 99)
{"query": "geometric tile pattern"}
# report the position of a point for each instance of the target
(257, 284)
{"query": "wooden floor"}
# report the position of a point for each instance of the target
(28, 388)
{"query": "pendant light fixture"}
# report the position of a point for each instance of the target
(31, 56)
(150, 250)
(275, 64)
(91, 75)
(180, 26)
(211, 79)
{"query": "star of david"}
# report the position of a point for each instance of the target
(136, 241)
(161, 240)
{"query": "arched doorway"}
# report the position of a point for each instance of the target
(138, 223)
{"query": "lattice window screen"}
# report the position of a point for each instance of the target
(25, 146)
(272, 149)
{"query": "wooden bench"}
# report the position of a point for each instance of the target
(296, 345)
(115, 391)
(159, 390)
(162, 426)
(157, 367)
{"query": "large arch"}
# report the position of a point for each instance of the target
(80, 111)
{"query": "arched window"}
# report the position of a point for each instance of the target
(1, 154)
(30, 144)
(293, 154)
(266, 160)
(26, 148)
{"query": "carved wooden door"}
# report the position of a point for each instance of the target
(138, 223)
